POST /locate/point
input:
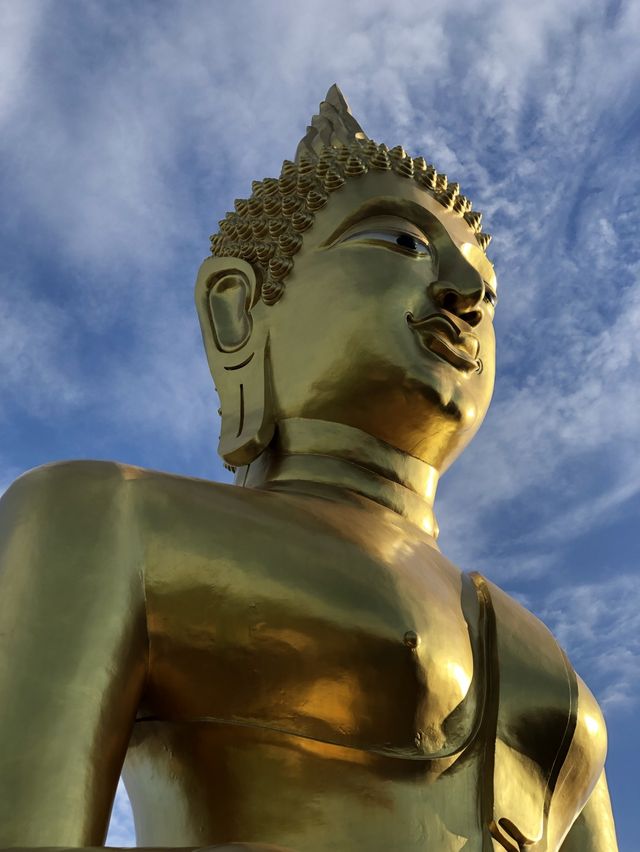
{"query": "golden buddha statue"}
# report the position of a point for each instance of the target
(290, 662)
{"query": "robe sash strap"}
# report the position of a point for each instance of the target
(532, 706)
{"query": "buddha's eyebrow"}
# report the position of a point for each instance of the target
(389, 206)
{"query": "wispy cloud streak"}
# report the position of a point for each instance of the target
(127, 130)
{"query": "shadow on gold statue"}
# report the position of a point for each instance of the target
(290, 663)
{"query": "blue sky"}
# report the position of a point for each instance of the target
(128, 129)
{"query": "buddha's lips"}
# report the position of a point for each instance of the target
(440, 334)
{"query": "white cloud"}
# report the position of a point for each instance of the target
(8, 473)
(123, 149)
(164, 386)
(121, 827)
(20, 23)
(604, 649)
(36, 372)
(106, 164)
(550, 437)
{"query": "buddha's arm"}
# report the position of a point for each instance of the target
(593, 831)
(72, 651)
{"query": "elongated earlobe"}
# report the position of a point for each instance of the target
(247, 419)
(236, 339)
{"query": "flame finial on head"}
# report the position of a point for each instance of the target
(333, 127)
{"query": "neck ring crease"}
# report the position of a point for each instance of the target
(324, 453)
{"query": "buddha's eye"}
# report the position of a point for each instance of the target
(490, 297)
(401, 240)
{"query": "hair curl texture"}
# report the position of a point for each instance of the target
(266, 229)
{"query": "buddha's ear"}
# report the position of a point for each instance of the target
(237, 346)
(225, 293)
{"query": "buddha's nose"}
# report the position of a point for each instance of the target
(461, 296)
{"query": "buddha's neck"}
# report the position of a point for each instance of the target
(306, 454)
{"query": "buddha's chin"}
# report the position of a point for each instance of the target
(428, 426)
(442, 425)
(446, 395)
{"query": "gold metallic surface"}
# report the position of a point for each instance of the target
(290, 663)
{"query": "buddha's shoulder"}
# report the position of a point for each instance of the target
(63, 483)
(84, 477)
(150, 497)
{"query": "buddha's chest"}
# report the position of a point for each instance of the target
(322, 637)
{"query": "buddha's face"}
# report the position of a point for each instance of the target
(386, 322)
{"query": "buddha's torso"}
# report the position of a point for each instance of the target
(317, 678)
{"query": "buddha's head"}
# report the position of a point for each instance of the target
(355, 289)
